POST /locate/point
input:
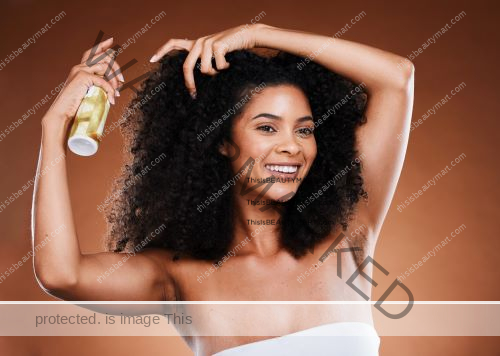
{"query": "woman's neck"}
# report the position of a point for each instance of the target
(256, 226)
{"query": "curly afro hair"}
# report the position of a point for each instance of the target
(166, 124)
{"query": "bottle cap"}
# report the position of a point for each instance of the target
(82, 145)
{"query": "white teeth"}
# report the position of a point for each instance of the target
(282, 169)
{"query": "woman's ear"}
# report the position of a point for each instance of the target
(229, 149)
(223, 149)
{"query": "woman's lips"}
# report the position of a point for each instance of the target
(280, 171)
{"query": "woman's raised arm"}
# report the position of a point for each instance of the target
(60, 267)
(388, 80)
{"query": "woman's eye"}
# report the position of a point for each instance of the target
(266, 128)
(306, 131)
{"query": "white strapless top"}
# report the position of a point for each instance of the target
(343, 338)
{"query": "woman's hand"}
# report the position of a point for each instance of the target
(80, 79)
(208, 47)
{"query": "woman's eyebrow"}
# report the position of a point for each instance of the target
(276, 117)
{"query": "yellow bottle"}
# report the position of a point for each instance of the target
(87, 128)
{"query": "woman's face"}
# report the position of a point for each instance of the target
(276, 130)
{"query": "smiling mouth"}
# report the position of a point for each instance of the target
(283, 170)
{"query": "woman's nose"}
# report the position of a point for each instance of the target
(289, 144)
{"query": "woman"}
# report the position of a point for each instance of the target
(321, 119)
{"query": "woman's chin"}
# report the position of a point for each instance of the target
(281, 193)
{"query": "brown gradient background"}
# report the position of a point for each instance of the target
(466, 269)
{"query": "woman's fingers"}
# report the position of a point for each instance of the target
(100, 48)
(97, 69)
(172, 44)
(189, 64)
(113, 73)
(206, 59)
(104, 48)
(115, 66)
(90, 79)
(103, 67)
(220, 49)
(110, 57)
(205, 48)
(108, 68)
(115, 70)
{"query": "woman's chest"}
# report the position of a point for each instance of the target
(265, 297)
(313, 278)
